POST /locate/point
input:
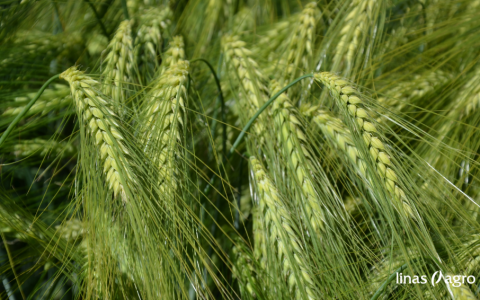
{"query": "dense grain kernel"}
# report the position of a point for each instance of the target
(293, 141)
(164, 117)
(346, 96)
(281, 227)
(101, 126)
(119, 63)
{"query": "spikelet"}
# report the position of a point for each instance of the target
(150, 36)
(293, 141)
(43, 147)
(52, 98)
(119, 63)
(346, 97)
(283, 235)
(166, 108)
(98, 119)
(299, 55)
(356, 23)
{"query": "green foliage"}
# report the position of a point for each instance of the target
(131, 177)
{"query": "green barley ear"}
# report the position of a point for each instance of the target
(346, 97)
(402, 93)
(283, 236)
(149, 40)
(175, 52)
(43, 147)
(72, 230)
(164, 119)
(293, 141)
(339, 135)
(53, 98)
(299, 55)
(356, 23)
(244, 270)
(246, 73)
(273, 40)
(119, 65)
(101, 126)
(461, 292)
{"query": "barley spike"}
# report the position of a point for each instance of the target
(119, 64)
(293, 140)
(93, 114)
(277, 220)
(346, 96)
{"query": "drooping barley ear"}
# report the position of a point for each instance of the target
(164, 119)
(468, 101)
(253, 92)
(150, 37)
(299, 56)
(174, 53)
(72, 230)
(259, 241)
(243, 268)
(293, 140)
(244, 20)
(94, 114)
(283, 236)
(118, 65)
(458, 290)
(381, 271)
(469, 255)
(401, 93)
(54, 98)
(272, 40)
(340, 136)
(28, 44)
(43, 147)
(355, 24)
(348, 99)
